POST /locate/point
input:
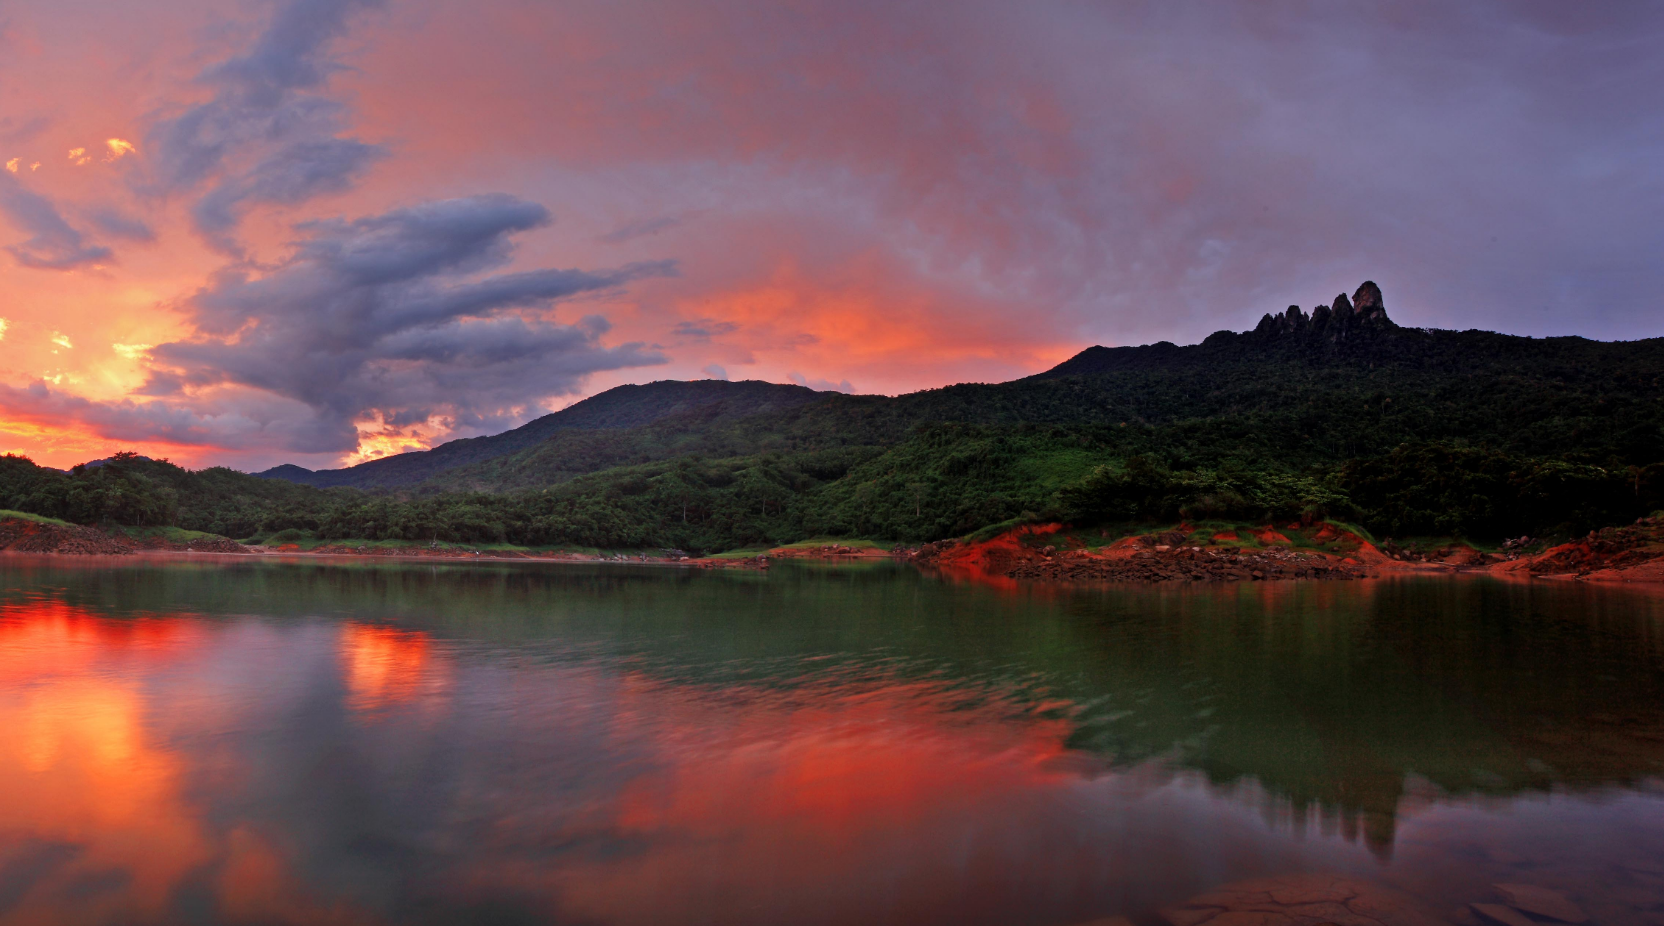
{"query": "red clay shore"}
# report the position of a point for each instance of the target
(1632, 553)
(1180, 555)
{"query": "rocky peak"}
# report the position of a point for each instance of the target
(1343, 320)
(1367, 301)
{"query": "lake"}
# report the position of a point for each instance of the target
(245, 740)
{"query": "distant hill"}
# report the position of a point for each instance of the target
(623, 407)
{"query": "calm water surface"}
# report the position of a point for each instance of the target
(358, 742)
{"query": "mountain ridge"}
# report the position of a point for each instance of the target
(631, 425)
(622, 407)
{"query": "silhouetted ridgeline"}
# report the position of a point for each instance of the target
(1337, 412)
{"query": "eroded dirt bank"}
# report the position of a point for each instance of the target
(1319, 551)
(1182, 555)
(1631, 553)
(26, 536)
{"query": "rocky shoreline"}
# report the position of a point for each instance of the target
(1633, 551)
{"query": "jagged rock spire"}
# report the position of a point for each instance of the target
(1367, 301)
(1340, 321)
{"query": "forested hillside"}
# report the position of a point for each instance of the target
(1339, 413)
(623, 408)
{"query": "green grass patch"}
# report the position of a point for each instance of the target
(170, 534)
(1358, 529)
(749, 551)
(37, 518)
(740, 553)
(994, 530)
(859, 544)
(305, 542)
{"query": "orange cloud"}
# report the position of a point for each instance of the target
(378, 438)
(867, 320)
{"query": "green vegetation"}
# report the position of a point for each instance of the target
(1402, 432)
(173, 535)
(7, 514)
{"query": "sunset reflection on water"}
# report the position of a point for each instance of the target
(384, 667)
(97, 809)
(591, 752)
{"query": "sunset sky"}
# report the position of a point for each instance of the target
(316, 231)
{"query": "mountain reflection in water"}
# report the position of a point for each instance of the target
(268, 741)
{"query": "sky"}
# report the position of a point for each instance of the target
(321, 231)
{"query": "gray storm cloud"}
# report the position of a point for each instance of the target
(53, 244)
(395, 314)
(269, 135)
